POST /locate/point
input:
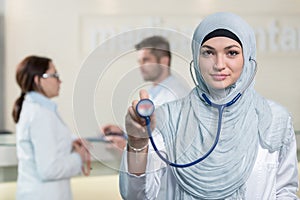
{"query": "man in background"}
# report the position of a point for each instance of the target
(154, 58)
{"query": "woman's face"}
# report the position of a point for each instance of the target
(50, 83)
(221, 62)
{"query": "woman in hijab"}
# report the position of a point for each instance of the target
(255, 157)
(48, 153)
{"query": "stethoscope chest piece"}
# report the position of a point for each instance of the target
(145, 108)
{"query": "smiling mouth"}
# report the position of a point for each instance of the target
(219, 77)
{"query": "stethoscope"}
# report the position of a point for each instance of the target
(145, 108)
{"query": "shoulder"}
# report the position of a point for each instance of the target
(35, 111)
(175, 107)
(281, 119)
(178, 103)
(178, 85)
(280, 131)
(278, 110)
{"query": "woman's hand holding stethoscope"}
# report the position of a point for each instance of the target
(136, 125)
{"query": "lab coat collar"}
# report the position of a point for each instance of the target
(41, 99)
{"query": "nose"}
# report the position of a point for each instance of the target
(219, 65)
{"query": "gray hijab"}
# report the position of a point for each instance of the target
(244, 32)
(245, 124)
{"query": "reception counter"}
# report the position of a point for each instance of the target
(83, 188)
(102, 184)
(105, 160)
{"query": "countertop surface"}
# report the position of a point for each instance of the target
(99, 151)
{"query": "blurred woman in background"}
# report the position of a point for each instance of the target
(48, 153)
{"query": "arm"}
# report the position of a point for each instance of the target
(139, 175)
(132, 186)
(287, 175)
(137, 138)
(148, 184)
(46, 134)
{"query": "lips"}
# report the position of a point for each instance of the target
(219, 77)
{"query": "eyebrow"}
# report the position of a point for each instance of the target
(229, 47)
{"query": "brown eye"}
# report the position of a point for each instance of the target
(233, 53)
(206, 53)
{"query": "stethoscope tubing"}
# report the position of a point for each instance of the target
(220, 111)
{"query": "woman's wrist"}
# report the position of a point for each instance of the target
(137, 144)
(136, 149)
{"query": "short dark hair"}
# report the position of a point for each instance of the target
(158, 45)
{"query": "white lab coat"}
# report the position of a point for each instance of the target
(44, 150)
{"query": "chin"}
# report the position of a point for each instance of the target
(55, 95)
(219, 86)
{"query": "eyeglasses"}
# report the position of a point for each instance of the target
(55, 75)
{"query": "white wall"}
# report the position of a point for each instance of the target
(2, 64)
(2, 3)
(68, 30)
